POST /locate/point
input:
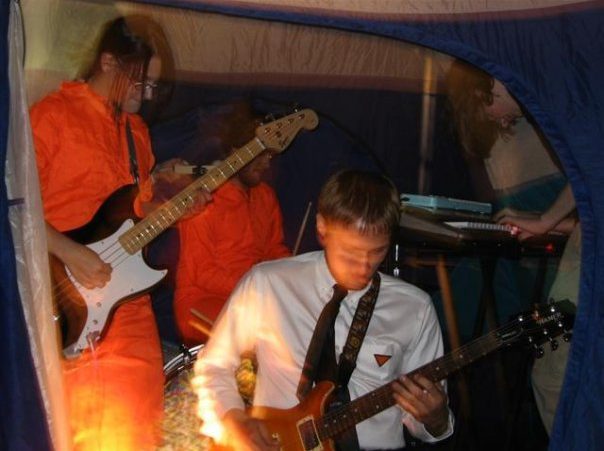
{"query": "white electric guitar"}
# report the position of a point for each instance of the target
(84, 313)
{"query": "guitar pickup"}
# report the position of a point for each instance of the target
(309, 435)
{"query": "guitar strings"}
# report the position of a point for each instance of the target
(115, 254)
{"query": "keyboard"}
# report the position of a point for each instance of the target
(482, 226)
(462, 232)
(441, 203)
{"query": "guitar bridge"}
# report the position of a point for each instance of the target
(309, 436)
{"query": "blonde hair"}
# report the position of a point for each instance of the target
(365, 201)
(469, 90)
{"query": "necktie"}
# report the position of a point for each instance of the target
(328, 371)
(320, 361)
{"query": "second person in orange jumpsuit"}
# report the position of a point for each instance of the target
(241, 227)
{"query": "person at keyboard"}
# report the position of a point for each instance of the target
(532, 195)
(548, 371)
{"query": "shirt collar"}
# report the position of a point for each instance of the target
(325, 283)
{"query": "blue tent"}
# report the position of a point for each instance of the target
(550, 58)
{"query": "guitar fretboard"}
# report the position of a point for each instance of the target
(372, 403)
(159, 220)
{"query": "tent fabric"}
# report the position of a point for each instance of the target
(23, 424)
(551, 64)
(377, 8)
(568, 48)
(207, 49)
(548, 52)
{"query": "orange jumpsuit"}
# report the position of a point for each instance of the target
(235, 231)
(115, 393)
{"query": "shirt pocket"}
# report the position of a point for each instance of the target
(379, 360)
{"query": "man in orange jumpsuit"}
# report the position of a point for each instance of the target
(115, 391)
(241, 227)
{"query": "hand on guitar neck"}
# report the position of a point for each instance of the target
(425, 400)
(167, 182)
(84, 264)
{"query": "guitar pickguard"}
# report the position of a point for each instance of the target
(130, 277)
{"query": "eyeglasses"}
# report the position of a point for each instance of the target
(148, 87)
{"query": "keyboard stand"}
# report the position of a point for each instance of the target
(432, 243)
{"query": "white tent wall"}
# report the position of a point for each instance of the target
(209, 47)
(29, 243)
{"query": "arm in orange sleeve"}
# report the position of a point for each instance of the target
(157, 188)
(84, 264)
(45, 132)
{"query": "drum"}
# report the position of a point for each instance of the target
(181, 363)
(180, 426)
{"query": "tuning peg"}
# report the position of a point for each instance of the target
(553, 343)
(537, 350)
(566, 336)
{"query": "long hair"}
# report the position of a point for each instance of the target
(237, 126)
(153, 34)
(469, 90)
(227, 127)
(365, 201)
(133, 41)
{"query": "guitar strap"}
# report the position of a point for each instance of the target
(347, 363)
(132, 153)
(357, 331)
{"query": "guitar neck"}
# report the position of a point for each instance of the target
(171, 211)
(372, 403)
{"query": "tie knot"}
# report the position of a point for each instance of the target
(339, 293)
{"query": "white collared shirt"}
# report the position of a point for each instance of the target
(274, 310)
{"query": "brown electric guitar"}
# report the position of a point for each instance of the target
(85, 313)
(307, 427)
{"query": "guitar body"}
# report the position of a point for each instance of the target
(295, 428)
(308, 427)
(86, 312)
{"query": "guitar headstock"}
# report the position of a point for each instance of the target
(543, 324)
(278, 134)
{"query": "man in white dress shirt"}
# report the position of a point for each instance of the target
(275, 308)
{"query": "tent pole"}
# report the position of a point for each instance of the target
(427, 125)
